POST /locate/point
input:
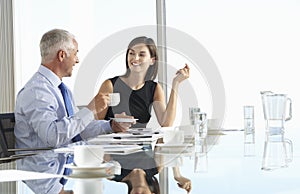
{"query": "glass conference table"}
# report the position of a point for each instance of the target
(227, 169)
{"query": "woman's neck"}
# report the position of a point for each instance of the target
(139, 180)
(134, 81)
(137, 177)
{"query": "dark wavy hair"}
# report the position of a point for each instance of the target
(152, 70)
(152, 183)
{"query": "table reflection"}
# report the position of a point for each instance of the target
(139, 170)
(228, 170)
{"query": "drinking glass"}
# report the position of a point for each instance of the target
(249, 131)
(201, 161)
(192, 110)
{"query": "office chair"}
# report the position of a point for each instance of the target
(7, 141)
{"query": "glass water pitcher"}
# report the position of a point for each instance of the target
(278, 150)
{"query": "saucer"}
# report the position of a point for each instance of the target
(104, 170)
(124, 120)
(88, 168)
(88, 176)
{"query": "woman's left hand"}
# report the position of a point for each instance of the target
(182, 74)
(184, 183)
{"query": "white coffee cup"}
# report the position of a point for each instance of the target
(88, 155)
(173, 135)
(114, 99)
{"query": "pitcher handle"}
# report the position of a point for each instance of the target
(290, 110)
(266, 92)
(290, 150)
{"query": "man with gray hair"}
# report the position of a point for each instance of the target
(45, 117)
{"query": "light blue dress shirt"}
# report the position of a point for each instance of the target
(42, 121)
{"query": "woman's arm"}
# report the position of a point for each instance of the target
(106, 87)
(183, 182)
(166, 114)
(158, 157)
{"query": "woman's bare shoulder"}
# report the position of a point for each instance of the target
(106, 86)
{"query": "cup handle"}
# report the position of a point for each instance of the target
(289, 152)
(290, 110)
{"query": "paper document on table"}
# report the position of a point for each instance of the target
(122, 149)
(141, 131)
(129, 136)
(125, 139)
(108, 149)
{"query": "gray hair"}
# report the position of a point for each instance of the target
(54, 41)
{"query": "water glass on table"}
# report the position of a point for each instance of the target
(201, 160)
(249, 131)
(193, 110)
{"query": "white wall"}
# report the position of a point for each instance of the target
(255, 44)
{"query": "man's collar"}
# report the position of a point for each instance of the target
(50, 75)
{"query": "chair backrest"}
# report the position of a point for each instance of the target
(8, 139)
(7, 136)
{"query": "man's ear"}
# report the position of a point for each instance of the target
(61, 55)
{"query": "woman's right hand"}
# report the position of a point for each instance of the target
(184, 183)
(182, 74)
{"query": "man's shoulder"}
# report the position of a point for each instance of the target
(37, 80)
(36, 83)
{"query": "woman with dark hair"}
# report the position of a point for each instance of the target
(138, 181)
(137, 88)
(139, 169)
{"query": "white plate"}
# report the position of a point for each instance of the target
(124, 120)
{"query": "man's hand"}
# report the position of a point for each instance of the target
(121, 126)
(98, 103)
